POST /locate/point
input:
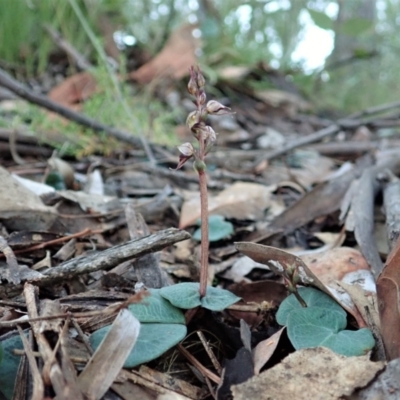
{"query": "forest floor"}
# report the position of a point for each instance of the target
(294, 200)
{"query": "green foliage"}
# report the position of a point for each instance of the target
(320, 19)
(153, 341)
(162, 327)
(218, 229)
(356, 26)
(9, 365)
(321, 323)
(186, 296)
(154, 308)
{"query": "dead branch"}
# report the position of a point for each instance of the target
(103, 260)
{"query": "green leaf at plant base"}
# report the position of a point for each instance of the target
(153, 341)
(315, 326)
(218, 229)
(186, 296)
(9, 365)
(154, 308)
(312, 297)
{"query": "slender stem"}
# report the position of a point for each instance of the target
(204, 233)
(204, 221)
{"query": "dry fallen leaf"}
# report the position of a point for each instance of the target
(74, 90)
(174, 60)
(317, 374)
(242, 200)
(264, 350)
(260, 292)
(388, 301)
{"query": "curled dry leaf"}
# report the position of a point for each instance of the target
(388, 286)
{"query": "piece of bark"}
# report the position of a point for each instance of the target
(391, 201)
(362, 210)
(322, 200)
(147, 268)
(103, 260)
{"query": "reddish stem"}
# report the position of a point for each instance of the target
(204, 233)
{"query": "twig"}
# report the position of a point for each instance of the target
(67, 47)
(204, 371)
(38, 386)
(351, 121)
(209, 351)
(103, 260)
(43, 101)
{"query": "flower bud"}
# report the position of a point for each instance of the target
(210, 136)
(201, 82)
(216, 108)
(192, 119)
(199, 166)
(201, 97)
(192, 85)
(186, 149)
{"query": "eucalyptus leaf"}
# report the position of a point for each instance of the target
(312, 297)
(9, 365)
(155, 308)
(218, 229)
(320, 19)
(355, 26)
(186, 296)
(153, 341)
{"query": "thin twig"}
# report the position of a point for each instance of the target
(204, 371)
(43, 101)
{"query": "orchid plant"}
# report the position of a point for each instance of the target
(206, 137)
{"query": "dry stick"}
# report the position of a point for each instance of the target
(347, 122)
(203, 370)
(43, 101)
(391, 201)
(38, 386)
(103, 260)
(67, 47)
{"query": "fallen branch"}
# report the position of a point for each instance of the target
(352, 121)
(102, 260)
(43, 101)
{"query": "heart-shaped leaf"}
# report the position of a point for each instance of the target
(321, 323)
(313, 298)
(186, 296)
(9, 365)
(314, 327)
(154, 308)
(153, 341)
(218, 229)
